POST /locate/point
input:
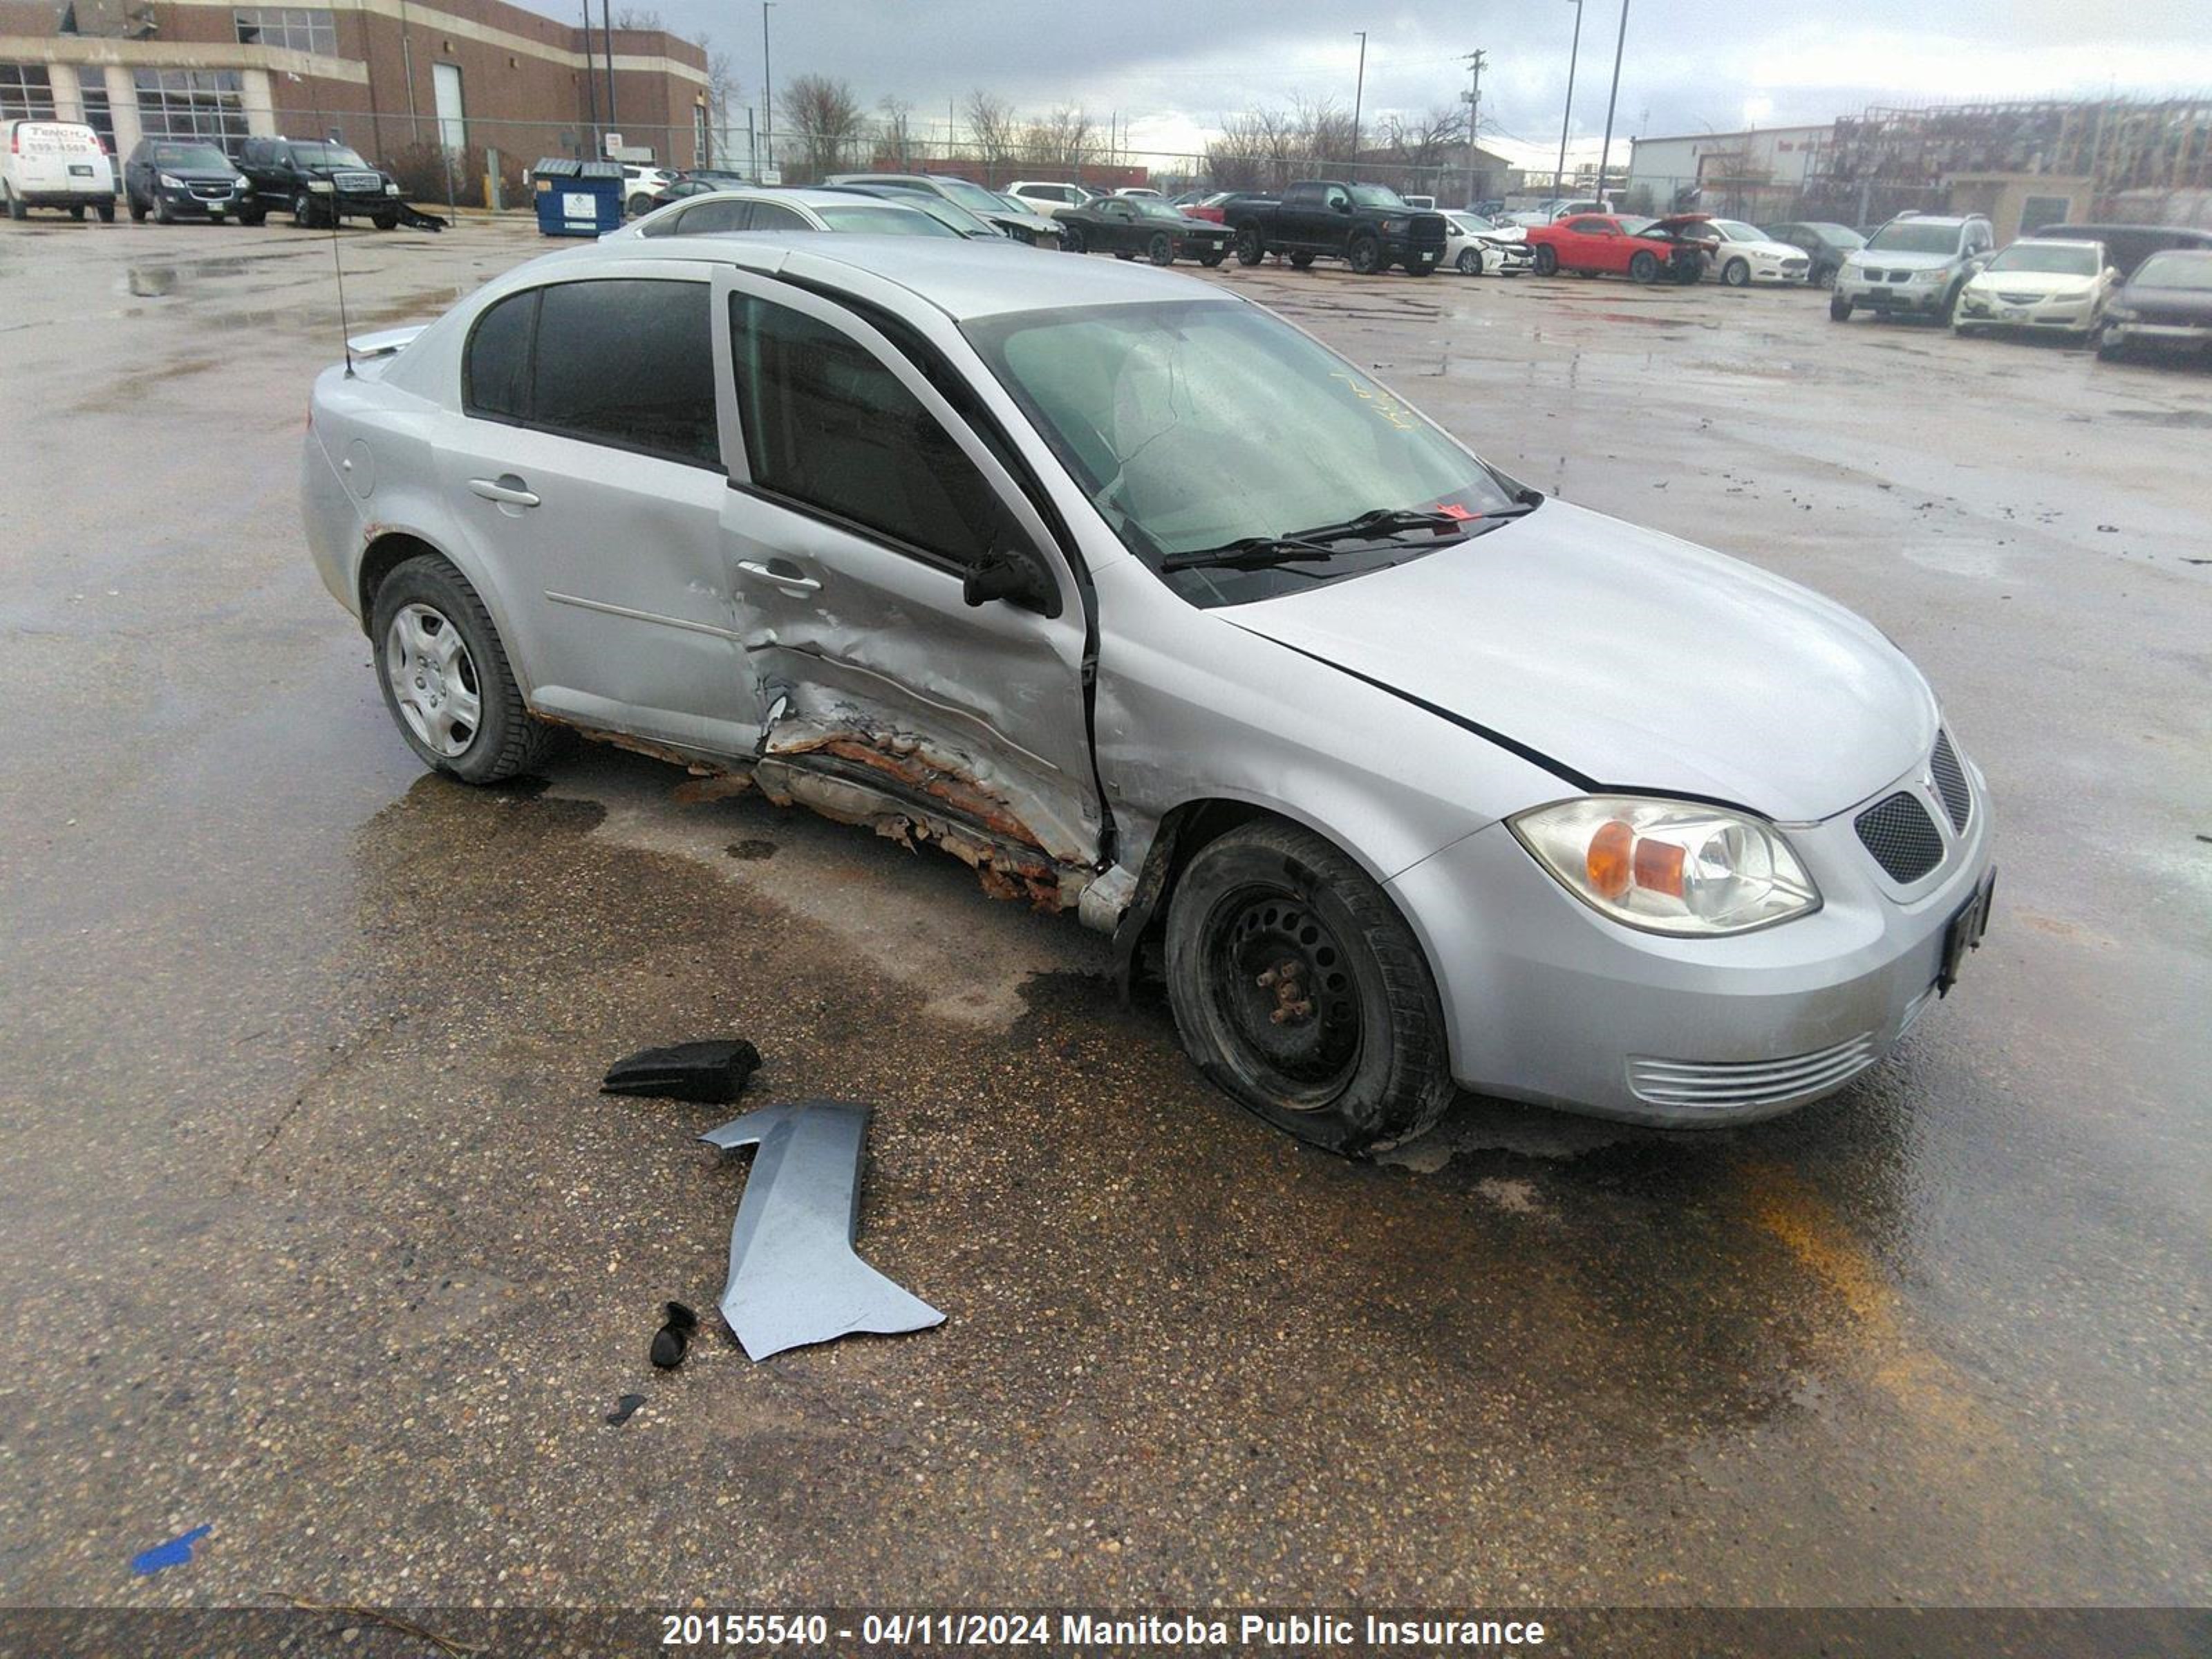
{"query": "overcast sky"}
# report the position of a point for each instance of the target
(1173, 68)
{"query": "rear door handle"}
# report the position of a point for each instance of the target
(789, 578)
(507, 489)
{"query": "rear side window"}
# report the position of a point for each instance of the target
(829, 427)
(628, 362)
(711, 216)
(496, 371)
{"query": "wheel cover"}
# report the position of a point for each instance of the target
(1470, 262)
(433, 680)
(1283, 994)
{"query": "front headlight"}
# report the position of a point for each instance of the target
(1397, 227)
(391, 190)
(323, 186)
(1669, 866)
(170, 181)
(1935, 276)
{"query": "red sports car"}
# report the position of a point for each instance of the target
(1617, 245)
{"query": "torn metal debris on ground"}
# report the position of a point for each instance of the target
(795, 1279)
(713, 1072)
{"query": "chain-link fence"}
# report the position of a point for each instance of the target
(1855, 202)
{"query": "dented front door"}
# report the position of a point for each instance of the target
(858, 500)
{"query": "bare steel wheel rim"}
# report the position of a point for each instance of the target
(1284, 995)
(433, 680)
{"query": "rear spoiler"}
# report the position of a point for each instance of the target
(384, 344)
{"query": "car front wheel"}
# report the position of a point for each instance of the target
(1547, 259)
(1736, 273)
(1250, 250)
(1839, 308)
(1299, 989)
(1470, 262)
(1644, 267)
(1366, 255)
(445, 679)
(1161, 249)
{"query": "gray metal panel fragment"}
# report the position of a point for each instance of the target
(795, 1279)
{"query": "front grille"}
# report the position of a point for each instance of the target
(1901, 276)
(2020, 298)
(360, 184)
(1723, 1085)
(213, 193)
(1902, 837)
(1951, 782)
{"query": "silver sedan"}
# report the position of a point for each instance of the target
(1131, 596)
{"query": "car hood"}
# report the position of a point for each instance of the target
(1638, 660)
(2029, 282)
(2192, 305)
(211, 175)
(1767, 250)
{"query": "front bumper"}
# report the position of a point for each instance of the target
(2175, 336)
(1404, 250)
(1978, 308)
(1546, 1000)
(209, 204)
(1918, 299)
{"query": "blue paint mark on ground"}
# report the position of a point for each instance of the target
(174, 1554)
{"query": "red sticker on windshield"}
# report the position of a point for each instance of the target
(1453, 511)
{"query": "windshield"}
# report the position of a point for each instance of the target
(316, 154)
(1191, 424)
(1378, 196)
(1837, 235)
(2053, 258)
(1157, 210)
(1915, 236)
(884, 221)
(191, 155)
(2189, 270)
(1636, 227)
(974, 197)
(1735, 230)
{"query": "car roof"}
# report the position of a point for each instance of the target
(2054, 241)
(963, 279)
(804, 197)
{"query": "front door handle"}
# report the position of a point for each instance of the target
(507, 489)
(788, 578)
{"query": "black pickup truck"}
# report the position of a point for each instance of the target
(1369, 226)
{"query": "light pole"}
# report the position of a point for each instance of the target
(767, 88)
(1605, 149)
(1573, 52)
(1358, 90)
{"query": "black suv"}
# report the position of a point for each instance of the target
(318, 181)
(181, 179)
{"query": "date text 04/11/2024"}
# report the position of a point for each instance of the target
(1085, 1630)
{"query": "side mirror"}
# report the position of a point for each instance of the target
(1012, 577)
(1342, 207)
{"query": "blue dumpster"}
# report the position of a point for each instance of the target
(577, 198)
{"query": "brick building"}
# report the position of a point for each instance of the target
(395, 78)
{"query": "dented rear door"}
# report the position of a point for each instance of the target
(858, 500)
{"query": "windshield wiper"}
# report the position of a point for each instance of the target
(1383, 521)
(1251, 553)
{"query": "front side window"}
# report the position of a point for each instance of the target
(829, 427)
(1192, 424)
(1590, 227)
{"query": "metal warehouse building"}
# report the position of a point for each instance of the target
(390, 77)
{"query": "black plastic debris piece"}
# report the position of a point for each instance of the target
(714, 1072)
(674, 1340)
(624, 1409)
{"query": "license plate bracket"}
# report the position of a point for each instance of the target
(1963, 932)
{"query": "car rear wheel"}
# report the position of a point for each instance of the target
(1301, 261)
(1366, 255)
(1071, 238)
(1825, 277)
(1839, 308)
(1736, 273)
(445, 679)
(641, 204)
(252, 215)
(1161, 249)
(138, 211)
(1546, 258)
(1250, 250)
(1299, 989)
(1470, 261)
(1644, 267)
(15, 208)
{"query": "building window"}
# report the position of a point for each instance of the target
(92, 94)
(2041, 212)
(26, 94)
(296, 29)
(192, 103)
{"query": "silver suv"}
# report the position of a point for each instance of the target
(1915, 265)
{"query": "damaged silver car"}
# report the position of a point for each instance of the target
(1148, 606)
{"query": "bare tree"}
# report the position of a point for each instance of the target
(1424, 141)
(721, 96)
(991, 120)
(1061, 139)
(894, 129)
(827, 118)
(635, 18)
(1322, 129)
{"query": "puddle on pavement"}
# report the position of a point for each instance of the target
(2184, 418)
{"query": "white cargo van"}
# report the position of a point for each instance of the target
(57, 164)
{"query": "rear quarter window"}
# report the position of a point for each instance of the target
(495, 368)
(629, 361)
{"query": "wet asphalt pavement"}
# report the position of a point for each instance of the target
(318, 1234)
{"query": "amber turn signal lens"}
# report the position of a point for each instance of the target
(1607, 862)
(1658, 865)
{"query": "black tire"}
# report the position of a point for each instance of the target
(1360, 1062)
(1470, 262)
(1839, 308)
(1124, 253)
(303, 211)
(508, 741)
(1825, 277)
(1950, 311)
(138, 211)
(1250, 250)
(639, 204)
(106, 210)
(1365, 255)
(252, 215)
(2110, 350)
(1161, 249)
(1418, 266)
(163, 213)
(15, 208)
(1302, 261)
(385, 221)
(1644, 266)
(1736, 273)
(77, 211)
(1546, 259)
(1212, 257)
(1071, 240)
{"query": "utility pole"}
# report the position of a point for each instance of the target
(1606, 151)
(607, 29)
(590, 81)
(768, 87)
(1474, 61)
(1558, 178)
(1359, 91)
